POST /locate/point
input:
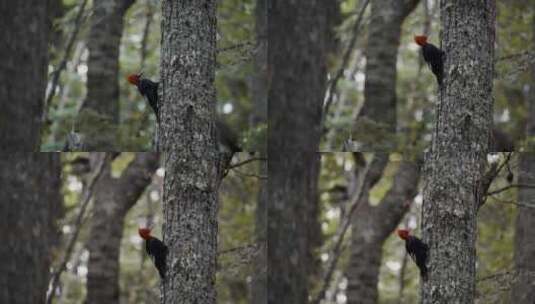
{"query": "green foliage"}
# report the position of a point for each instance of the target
(416, 86)
(236, 42)
(255, 138)
(139, 281)
(494, 244)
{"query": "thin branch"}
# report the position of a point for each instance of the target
(63, 63)
(236, 46)
(84, 202)
(513, 56)
(513, 203)
(489, 177)
(509, 187)
(239, 164)
(341, 231)
(145, 38)
(239, 248)
(250, 175)
(402, 272)
(496, 275)
(345, 61)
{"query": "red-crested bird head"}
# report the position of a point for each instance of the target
(144, 233)
(134, 78)
(403, 233)
(420, 40)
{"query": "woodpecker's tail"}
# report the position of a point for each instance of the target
(423, 273)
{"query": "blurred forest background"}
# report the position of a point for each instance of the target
(372, 258)
(376, 36)
(317, 192)
(139, 50)
(357, 34)
(104, 198)
(380, 100)
(98, 233)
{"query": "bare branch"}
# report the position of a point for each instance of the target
(63, 63)
(345, 61)
(401, 279)
(345, 223)
(238, 164)
(515, 56)
(237, 46)
(509, 187)
(489, 177)
(145, 37)
(496, 275)
(522, 205)
(84, 202)
(250, 175)
(239, 248)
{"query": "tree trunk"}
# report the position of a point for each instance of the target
(523, 291)
(298, 72)
(455, 165)
(260, 79)
(113, 199)
(292, 187)
(259, 291)
(379, 113)
(23, 73)
(296, 62)
(376, 123)
(371, 227)
(31, 199)
(99, 117)
(192, 162)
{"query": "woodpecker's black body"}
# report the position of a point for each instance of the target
(157, 250)
(434, 57)
(227, 137)
(418, 251)
(149, 90)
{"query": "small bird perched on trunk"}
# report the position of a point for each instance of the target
(149, 89)
(433, 56)
(156, 249)
(417, 249)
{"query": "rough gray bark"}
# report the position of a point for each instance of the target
(259, 291)
(260, 79)
(376, 123)
(292, 187)
(99, 117)
(24, 53)
(31, 199)
(334, 18)
(296, 61)
(192, 161)
(523, 291)
(371, 227)
(455, 166)
(113, 199)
